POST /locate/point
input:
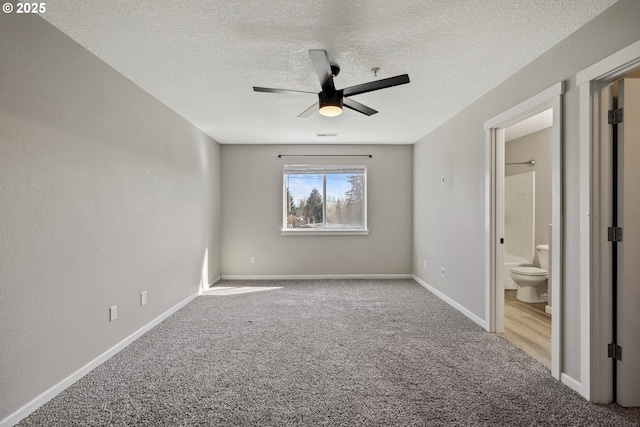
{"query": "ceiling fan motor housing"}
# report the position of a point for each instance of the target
(330, 103)
(333, 99)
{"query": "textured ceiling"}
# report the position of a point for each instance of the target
(201, 58)
(530, 125)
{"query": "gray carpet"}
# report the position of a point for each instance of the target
(332, 352)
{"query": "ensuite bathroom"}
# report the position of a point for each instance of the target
(527, 220)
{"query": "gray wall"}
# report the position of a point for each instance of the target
(252, 213)
(535, 146)
(104, 193)
(449, 219)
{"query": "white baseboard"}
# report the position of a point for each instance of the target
(314, 276)
(214, 281)
(571, 383)
(452, 303)
(43, 398)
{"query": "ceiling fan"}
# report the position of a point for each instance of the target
(330, 99)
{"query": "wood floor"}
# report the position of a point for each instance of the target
(528, 326)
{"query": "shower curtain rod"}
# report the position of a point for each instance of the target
(530, 163)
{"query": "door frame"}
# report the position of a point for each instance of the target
(595, 269)
(550, 98)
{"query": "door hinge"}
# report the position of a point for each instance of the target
(615, 116)
(614, 351)
(614, 234)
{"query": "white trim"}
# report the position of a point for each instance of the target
(557, 230)
(488, 227)
(518, 112)
(498, 222)
(322, 231)
(214, 281)
(313, 276)
(549, 98)
(452, 303)
(585, 241)
(46, 396)
(570, 382)
(595, 317)
(615, 65)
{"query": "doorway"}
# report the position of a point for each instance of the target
(496, 128)
(600, 382)
(625, 214)
(527, 220)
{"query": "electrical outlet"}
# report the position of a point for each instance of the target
(443, 179)
(113, 313)
(424, 266)
(143, 297)
(442, 271)
(253, 260)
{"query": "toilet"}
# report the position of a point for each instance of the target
(532, 281)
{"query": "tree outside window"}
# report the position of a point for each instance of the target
(325, 197)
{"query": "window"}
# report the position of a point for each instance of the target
(325, 199)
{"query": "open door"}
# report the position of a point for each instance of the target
(625, 237)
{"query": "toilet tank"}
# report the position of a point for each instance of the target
(543, 256)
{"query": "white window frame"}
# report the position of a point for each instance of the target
(323, 170)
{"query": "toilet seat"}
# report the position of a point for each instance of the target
(529, 271)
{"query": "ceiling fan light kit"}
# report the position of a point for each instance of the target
(331, 101)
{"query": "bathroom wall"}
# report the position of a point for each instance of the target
(519, 215)
(536, 146)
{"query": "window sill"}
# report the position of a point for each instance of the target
(323, 232)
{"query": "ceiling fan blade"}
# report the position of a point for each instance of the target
(272, 90)
(376, 85)
(360, 108)
(309, 111)
(320, 62)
